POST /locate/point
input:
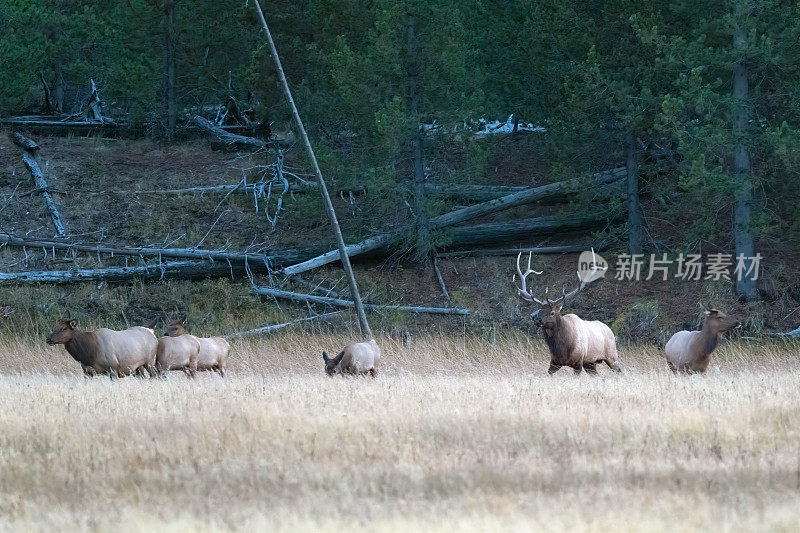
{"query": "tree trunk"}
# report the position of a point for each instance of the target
(634, 213)
(348, 269)
(169, 7)
(745, 287)
(420, 209)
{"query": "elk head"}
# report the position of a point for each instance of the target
(176, 328)
(550, 310)
(717, 322)
(331, 363)
(62, 332)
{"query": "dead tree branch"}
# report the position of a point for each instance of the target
(324, 300)
(265, 330)
(230, 139)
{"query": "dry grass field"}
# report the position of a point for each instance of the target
(454, 435)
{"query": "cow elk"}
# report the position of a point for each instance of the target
(356, 358)
(177, 353)
(105, 351)
(690, 351)
(213, 350)
(573, 342)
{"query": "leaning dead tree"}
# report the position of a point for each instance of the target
(30, 148)
(452, 218)
(348, 269)
(338, 302)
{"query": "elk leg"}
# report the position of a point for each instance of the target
(577, 368)
(373, 372)
(613, 366)
(88, 371)
(553, 368)
(672, 367)
(221, 371)
(591, 368)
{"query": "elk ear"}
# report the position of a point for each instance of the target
(707, 313)
(339, 358)
(557, 306)
(72, 324)
(325, 357)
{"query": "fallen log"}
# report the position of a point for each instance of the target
(454, 217)
(269, 329)
(228, 138)
(24, 142)
(29, 158)
(523, 229)
(500, 252)
(484, 193)
(311, 298)
(270, 259)
(175, 269)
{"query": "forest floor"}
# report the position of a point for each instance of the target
(453, 435)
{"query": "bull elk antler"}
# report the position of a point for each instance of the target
(526, 295)
(523, 291)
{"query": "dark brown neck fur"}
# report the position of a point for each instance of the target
(558, 340)
(710, 339)
(83, 347)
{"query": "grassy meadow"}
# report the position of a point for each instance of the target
(454, 435)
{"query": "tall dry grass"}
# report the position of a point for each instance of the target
(453, 435)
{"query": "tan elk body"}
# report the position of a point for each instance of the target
(573, 342)
(213, 350)
(356, 358)
(177, 353)
(690, 351)
(105, 351)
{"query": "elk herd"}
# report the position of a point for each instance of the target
(573, 342)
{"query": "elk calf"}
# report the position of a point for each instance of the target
(356, 358)
(573, 342)
(105, 351)
(213, 350)
(690, 351)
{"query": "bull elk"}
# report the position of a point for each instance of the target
(105, 351)
(690, 351)
(213, 350)
(356, 358)
(573, 342)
